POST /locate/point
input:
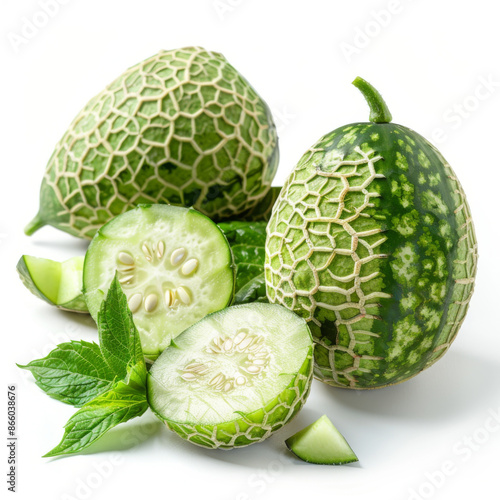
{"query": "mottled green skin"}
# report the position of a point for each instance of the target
(371, 240)
(183, 127)
(250, 428)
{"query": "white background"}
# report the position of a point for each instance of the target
(430, 60)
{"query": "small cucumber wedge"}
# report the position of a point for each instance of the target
(174, 265)
(321, 443)
(58, 283)
(235, 377)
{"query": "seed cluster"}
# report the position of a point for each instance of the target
(254, 361)
(155, 253)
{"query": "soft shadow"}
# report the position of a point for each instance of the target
(270, 454)
(82, 319)
(256, 456)
(128, 435)
(455, 386)
(75, 245)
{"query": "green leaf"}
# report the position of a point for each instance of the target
(244, 233)
(94, 419)
(74, 372)
(247, 241)
(118, 336)
(253, 291)
(126, 399)
(82, 373)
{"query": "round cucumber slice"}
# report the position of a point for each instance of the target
(321, 443)
(58, 283)
(235, 377)
(174, 265)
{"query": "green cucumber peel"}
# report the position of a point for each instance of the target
(108, 382)
(57, 283)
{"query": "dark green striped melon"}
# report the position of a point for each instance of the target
(371, 241)
(182, 127)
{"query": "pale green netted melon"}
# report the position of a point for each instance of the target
(235, 377)
(182, 127)
(371, 241)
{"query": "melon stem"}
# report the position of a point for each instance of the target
(379, 112)
(34, 225)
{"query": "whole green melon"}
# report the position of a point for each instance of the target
(371, 241)
(183, 127)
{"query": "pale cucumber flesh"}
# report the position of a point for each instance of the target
(321, 443)
(234, 377)
(58, 283)
(174, 265)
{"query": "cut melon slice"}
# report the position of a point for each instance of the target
(58, 283)
(235, 377)
(321, 443)
(174, 265)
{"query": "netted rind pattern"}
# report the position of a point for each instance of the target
(183, 127)
(372, 242)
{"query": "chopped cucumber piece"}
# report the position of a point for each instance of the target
(58, 283)
(174, 265)
(321, 443)
(235, 377)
